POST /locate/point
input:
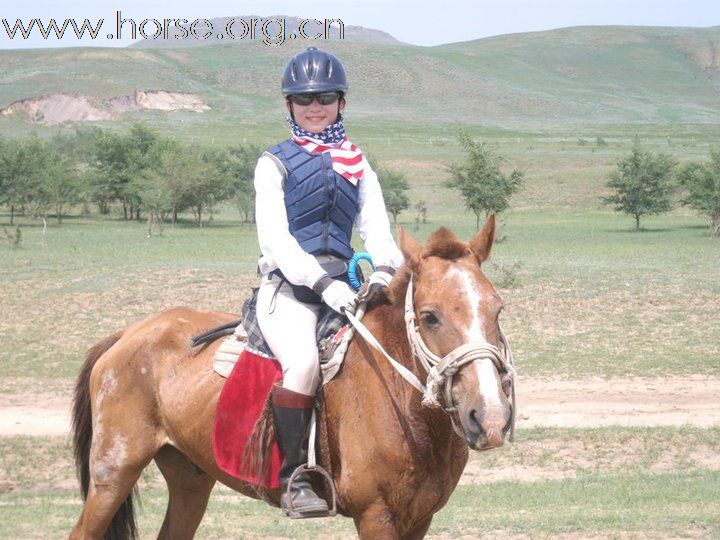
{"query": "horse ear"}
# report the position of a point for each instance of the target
(409, 247)
(482, 242)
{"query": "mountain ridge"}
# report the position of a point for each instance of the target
(572, 76)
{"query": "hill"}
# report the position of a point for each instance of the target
(567, 77)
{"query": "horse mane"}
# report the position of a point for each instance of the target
(445, 245)
(442, 244)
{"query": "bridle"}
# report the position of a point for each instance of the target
(441, 370)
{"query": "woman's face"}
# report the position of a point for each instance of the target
(315, 117)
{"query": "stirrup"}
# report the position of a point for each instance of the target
(295, 514)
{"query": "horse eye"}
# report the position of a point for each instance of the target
(429, 319)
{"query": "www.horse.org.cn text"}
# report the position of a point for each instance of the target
(271, 31)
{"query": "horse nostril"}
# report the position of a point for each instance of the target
(475, 422)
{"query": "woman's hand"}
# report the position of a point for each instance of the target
(378, 280)
(339, 296)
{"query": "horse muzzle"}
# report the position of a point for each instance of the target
(484, 430)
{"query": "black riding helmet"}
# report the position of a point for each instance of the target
(313, 71)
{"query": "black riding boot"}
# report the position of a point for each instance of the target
(292, 412)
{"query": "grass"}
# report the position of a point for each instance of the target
(655, 505)
(638, 504)
(605, 482)
(595, 298)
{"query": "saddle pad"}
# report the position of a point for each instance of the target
(239, 406)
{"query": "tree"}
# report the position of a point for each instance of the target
(36, 177)
(394, 187)
(484, 188)
(160, 186)
(642, 184)
(59, 184)
(701, 182)
(20, 161)
(121, 161)
(215, 185)
(242, 162)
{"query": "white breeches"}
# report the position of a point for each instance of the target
(290, 330)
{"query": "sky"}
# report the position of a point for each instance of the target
(413, 22)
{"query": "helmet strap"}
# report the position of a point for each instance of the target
(292, 112)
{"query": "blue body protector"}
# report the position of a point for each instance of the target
(321, 205)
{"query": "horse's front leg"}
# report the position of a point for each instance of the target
(419, 531)
(375, 522)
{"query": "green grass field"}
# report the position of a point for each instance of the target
(595, 296)
(595, 299)
(610, 482)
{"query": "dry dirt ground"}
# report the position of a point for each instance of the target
(589, 402)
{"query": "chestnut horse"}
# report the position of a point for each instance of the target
(144, 394)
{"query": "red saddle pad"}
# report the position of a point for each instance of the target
(239, 406)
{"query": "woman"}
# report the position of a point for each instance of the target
(310, 191)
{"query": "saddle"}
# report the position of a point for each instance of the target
(333, 331)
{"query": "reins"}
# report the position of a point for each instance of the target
(441, 370)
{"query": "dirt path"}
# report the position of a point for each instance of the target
(541, 402)
(629, 402)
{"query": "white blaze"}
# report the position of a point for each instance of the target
(485, 369)
(467, 286)
(488, 384)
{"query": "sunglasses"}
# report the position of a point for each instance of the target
(324, 98)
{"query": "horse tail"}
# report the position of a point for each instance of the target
(257, 453)
(123, 524)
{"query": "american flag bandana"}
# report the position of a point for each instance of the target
(346, 157)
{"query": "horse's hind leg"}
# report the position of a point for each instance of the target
(116, 462)
(121, 442)
(189, 489)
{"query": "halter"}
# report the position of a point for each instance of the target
(441, 370)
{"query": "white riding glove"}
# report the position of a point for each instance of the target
(378, 280)
(339, 296)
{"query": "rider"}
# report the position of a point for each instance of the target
(310, 190)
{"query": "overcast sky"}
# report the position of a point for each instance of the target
(419, 23)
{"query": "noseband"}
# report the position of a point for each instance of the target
(441, 370)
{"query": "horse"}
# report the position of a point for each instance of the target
(144, 394)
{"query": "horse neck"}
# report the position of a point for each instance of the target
(391, 332)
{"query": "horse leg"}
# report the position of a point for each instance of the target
(116, 462)
(377, 521)
(420, 530)
(189, 490)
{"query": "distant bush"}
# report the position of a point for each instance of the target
(599, 141)
(394, 187)
(701, 183)
(642, 184)
(485, 189)
(13, 238)
(422, 208)
(507, 276)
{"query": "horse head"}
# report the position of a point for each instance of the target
(454, 309)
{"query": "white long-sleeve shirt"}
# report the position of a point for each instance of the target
(281, 250)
